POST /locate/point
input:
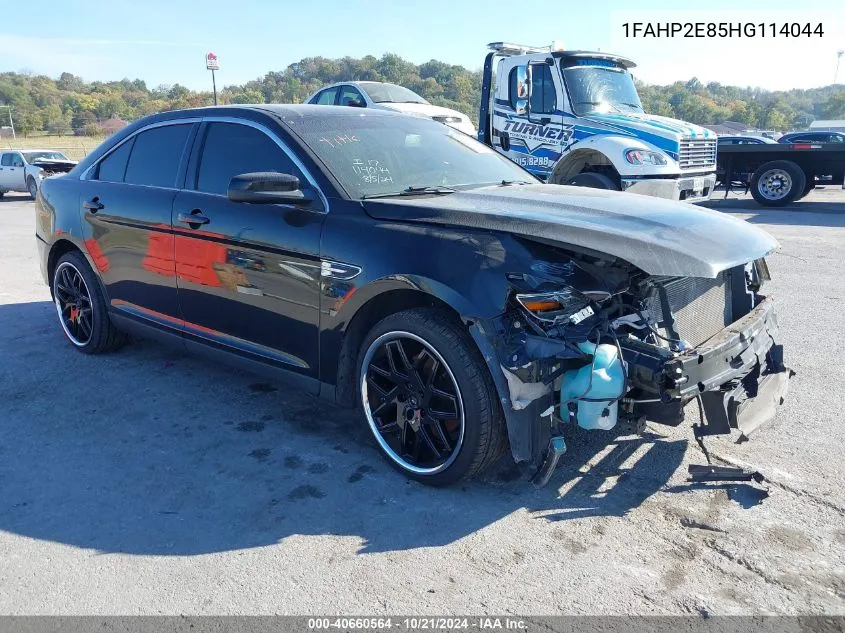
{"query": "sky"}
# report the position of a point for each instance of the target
(165, 41)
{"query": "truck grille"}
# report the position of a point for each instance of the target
(697, 153)
(701, 307)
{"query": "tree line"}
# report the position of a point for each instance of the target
(71, 105)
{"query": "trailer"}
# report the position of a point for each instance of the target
(781, 173)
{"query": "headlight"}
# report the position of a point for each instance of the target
(558, 306)
(644, 157)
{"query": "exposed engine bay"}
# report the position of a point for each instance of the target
(51, 167)
(592, 341)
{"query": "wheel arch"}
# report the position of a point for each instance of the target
(377, 301)
(59, 248)
(608, 152)
(573, 163)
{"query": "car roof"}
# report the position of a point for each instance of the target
(362, 83)
(284, 111)
(813, 132)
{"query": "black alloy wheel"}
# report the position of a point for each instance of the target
(428, 398)
(81, 306)
(73, 304)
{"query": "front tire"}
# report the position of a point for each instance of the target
(428, 397)
(81, 307)
(32, 187)
(593, 180)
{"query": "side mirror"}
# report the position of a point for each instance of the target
(355, 103)
(267, 187)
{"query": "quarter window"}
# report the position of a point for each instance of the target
(542, 89)
(231, 149)
(113, 167)
(156, 155)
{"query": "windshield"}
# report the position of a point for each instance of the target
(601, 89)
(391, 93)
(31, 157)
(372, 155)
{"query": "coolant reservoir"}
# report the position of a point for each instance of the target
(597, 400)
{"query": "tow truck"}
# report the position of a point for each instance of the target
(574, 117)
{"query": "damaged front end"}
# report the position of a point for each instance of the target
(594, 341)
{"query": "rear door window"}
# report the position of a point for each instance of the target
(231, 149)
(156, 155)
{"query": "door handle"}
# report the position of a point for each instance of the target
(94, 205)
(194, 217)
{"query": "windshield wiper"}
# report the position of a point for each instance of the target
(410, 191)
(506, 183)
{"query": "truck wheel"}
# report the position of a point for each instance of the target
(32, 187)
(777, 183)
(428, 397)
(594, 180)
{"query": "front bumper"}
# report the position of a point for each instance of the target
(687, 188)
(739, 375)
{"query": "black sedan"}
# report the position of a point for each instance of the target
(391, 263)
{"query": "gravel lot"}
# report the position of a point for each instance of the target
(150, 482)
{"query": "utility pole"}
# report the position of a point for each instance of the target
(11, 123)
(212, 64)
(839, 55)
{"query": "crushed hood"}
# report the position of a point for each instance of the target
(660, 237)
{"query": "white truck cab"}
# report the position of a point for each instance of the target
(574, 117)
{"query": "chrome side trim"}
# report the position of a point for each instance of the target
(87, 173)
(221, 119)
(339, 270)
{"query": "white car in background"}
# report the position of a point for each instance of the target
(385, 96)
(23, 170)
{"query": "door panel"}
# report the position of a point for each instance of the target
(12, 172)
(248, 279)
(127, 227)
(131, 243)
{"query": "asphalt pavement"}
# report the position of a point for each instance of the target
(152, 482)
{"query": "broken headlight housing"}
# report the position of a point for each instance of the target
(557, 307)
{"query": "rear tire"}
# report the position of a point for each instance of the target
(777, 183)
(593, 180)
(81, 307)
(428, 397)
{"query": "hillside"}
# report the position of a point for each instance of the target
(71, 105)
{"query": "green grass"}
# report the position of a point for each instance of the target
(74, 147)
